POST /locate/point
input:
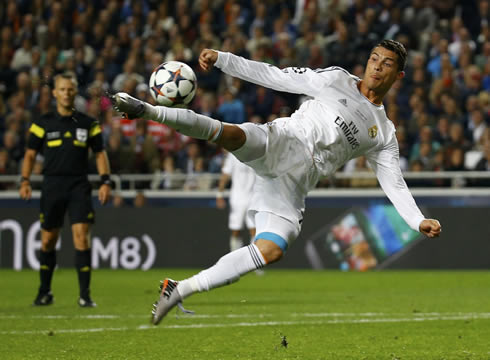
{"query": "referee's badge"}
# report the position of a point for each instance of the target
(373, 131)
(82, 135)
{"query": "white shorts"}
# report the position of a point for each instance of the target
(240, 217)
(276, 229)
(285, 169)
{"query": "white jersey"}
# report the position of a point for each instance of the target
(242, 179)
(339, 124)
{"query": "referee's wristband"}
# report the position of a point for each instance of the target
(105, 180)
(24, 179)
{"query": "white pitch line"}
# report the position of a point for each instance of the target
(472, 316)
(236, 316)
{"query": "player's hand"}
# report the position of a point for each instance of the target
(430, 227)
(25, 190)
(104, 193)
(207, 59)
(220, 203)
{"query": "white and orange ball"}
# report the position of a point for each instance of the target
(173, 83)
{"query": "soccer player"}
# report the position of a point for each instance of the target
(65, 137)
(242, 181)
(344, 120)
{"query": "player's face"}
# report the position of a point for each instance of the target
(382, 70)
(64, 92)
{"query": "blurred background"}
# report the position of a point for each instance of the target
(441, 109)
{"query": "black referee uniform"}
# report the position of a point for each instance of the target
(64, 142)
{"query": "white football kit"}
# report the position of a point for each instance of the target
(339, 124)
(242, 182)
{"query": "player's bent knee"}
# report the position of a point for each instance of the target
(269, 249)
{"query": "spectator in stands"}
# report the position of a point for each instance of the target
(455, 162)
(441, 134)
(146, 159)
(417, 166)
(207, 106)
(12, 145)
(23, 56)
(359, 182)
(139, 200)
(477, 127)
(7, 167)
(261, 102)
(120, 156)
(426, 154)
(484, 163)
(129, 72)
(232, 110)
(448, 66)
(165, 176)
(457, 138)
(441, 59)
(195, 166)
(425, 136)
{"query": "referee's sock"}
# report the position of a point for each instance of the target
(227, 270)
(83, 265)
(47, 264)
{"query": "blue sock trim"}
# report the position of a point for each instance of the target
(278, 240)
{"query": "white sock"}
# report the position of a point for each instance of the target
(186, 122)
(227, 270)
(236, 242)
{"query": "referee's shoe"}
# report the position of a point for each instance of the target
(43, 299)
(86, 302)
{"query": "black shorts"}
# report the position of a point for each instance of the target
(62, 193)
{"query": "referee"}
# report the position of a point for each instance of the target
(64, 137)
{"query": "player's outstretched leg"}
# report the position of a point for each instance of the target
(227, 270)
(185, 121)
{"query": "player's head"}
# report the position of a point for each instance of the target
(385, 65)
(65, 89)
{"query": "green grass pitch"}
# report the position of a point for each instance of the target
(320, 315)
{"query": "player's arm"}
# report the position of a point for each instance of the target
(386, 166)
(294, 80)
(223, 181)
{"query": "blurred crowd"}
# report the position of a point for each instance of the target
(441, 109)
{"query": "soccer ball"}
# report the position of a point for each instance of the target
(173, 83)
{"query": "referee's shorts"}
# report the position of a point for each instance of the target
(61, 194)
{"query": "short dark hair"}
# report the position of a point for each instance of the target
(67, 75)
(398, 48)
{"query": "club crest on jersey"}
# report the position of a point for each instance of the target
(373, 131)
(82, 135)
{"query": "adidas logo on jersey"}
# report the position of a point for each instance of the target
(343, 102)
